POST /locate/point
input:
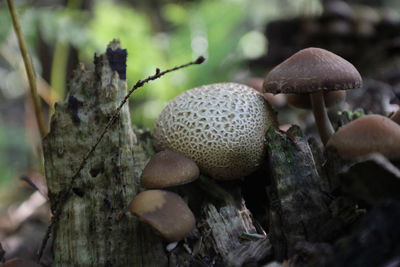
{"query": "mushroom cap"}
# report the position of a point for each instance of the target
(368, 134)
(311, 70)
(18, 262)
(303, 100)
(168, 168)
(220, 126)
(164, 211)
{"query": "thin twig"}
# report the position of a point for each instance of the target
(30, 72)
(67, 193)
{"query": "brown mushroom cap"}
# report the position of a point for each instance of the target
(164, 211)
(311, 70)
(18, 262)
(303, 100)
(169, 168)
(368, 134)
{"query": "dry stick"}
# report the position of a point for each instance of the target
(66, 194)
(30, 72)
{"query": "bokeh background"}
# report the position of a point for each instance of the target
(241, 39)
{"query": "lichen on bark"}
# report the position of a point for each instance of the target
(299, 208)
(93, 229)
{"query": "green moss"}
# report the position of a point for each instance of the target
(281, 145)
(352, 115)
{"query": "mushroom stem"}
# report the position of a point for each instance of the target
(322, 121)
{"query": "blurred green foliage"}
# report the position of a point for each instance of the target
(209, 28)
(13, 147)
(226, 32)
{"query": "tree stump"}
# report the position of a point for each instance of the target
(92, 229)
(299, 208)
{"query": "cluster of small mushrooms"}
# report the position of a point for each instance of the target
(221, 129)
(315, 79)
(166, 211)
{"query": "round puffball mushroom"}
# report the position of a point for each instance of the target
(313, 71)
(220, 126)
(365, 135)
(164, 211)
(168, 168)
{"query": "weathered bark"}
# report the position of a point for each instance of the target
(299, 208)
(375, 240)
(227, 228)
(371, 179)
(92, 229)
(226, 234)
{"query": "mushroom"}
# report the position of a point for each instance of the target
(168, 168)
(220, 126)
(18, 262)
(314, 71)
(365, 135)
(164, 211)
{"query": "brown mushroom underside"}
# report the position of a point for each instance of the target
(164, 211)
(303, 100)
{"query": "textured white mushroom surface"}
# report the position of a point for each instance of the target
(220, 126)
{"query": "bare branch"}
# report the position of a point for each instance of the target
(30, 72)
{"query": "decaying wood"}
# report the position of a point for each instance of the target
(227, 227)
(225, 235)
(371, 179)
(92, 230)
(375, 240)
(299, 208)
